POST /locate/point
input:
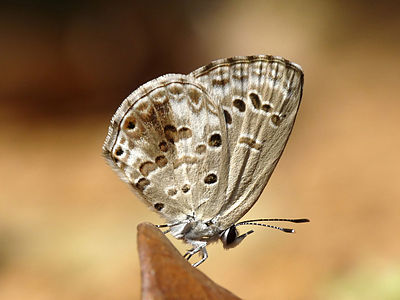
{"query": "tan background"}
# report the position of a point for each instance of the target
(68, 224)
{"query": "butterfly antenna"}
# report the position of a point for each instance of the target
(288, 230)
(277, 220)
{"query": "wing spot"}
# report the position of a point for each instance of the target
(130, 124)
(250, 142)
(255, 100)
(186, 188)
(158, 206)
(148, 114)
(161, 161)
(190, 160)
(163, 146)
(119, 152)
(276, 120)
(215, 140)
(175, 88)
(228, 117)
(220, 81)
(147, 167)
(142, 184)
(161, 106)
(210, 179)
(170, 133)
(184, 133)
(194, 95)
(240, 76)
(266, 107)
(158, 94)
(172, 192)
(200, 149)
(208, 67)
(240, 105)
(253, 58)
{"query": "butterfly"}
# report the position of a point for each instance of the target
(200, 148)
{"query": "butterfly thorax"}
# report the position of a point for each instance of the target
(196, 230)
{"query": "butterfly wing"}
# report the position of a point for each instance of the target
(259, 97)
(168, 141)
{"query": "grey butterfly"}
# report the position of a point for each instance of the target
(200, 148)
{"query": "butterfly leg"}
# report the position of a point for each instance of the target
(199, 246)
(164, 225)
(205, 256)
(191, 252)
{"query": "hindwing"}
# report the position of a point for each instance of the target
(259, 97)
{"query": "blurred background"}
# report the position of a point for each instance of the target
(68, 224)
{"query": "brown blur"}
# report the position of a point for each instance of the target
(68, 224)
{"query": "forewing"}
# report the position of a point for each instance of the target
(168, 141)
(259, 96)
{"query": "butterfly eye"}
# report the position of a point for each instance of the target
(231, 236)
